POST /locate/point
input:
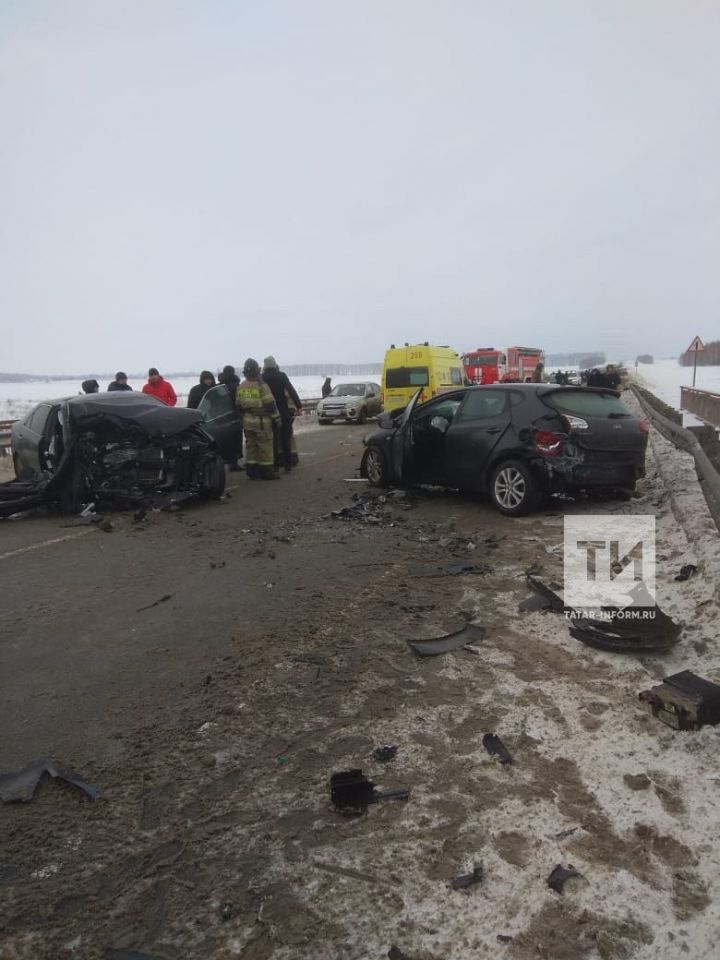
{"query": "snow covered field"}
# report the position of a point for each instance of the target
(665, 377)
(17, 398)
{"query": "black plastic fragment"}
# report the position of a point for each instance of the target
(496, 748)
(534, 602)
(554, 602)
(465, 880)
(384, 754)
(163, 599)
(470, 633)
(351, 790)
(687, 571)
(20, 787)
(560, 875)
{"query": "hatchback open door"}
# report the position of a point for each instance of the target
(401, 450)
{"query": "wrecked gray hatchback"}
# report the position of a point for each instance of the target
(513, 442)
(120, 449)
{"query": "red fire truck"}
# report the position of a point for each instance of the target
(521, 362)
(488, 365)
(484, 365)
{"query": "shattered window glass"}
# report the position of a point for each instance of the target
(217, 402)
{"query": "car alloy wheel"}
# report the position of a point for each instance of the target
(510, 487)
(374, 467)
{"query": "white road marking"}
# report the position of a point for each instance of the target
(45, 543)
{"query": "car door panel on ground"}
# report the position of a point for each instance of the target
(479, 425)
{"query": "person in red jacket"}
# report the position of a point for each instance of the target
(162, 389)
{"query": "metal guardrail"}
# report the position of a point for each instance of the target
(703, 403)
(685, 439)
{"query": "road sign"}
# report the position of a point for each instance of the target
(696, 347)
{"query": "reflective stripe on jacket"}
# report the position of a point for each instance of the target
(256, 403)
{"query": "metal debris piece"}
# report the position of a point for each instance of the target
(453, 569)
(560, 875)
(384, 754)
(20, 787)
(687, 571)
(470, 633)
(465, 880)
(351, 790)
(496, 748)
(684, 701)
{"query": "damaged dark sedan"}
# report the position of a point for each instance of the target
(516, 443)
(120, 449)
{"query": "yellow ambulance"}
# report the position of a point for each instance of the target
(419, 366)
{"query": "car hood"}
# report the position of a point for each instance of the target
(146, 413)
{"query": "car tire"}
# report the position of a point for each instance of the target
(513, 489)
(324, 421)
(374, 468)
(214, 476)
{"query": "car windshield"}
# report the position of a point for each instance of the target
(348, 390)
(588, 404)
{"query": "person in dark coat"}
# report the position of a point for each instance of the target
(207, 382)
(288, 404)
(595, 378)
(90, 386)
(232, 382)
(120, 382)
(326, 387)
(612, 377)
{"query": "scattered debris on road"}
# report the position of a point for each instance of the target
(496, 748)
(687, 571)
(560, 875)
(453, 569)
(384, 754)
(465, 880)
(20, 787)
(470, 633)
(351, 790)
(684, 701)
(552, 600)
(627, 630)
(163, 599)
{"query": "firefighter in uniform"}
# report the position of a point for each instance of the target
(260, 417)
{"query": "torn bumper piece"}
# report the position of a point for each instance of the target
(634, 628)
(471, 633)
(20, 787)
(684, 701)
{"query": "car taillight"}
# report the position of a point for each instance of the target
(548, 443)
(643, 425)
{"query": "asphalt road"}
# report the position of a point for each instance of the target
(80, 657)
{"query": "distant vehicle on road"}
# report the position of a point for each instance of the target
(431, 369)
(355, 402)
(513, 442)
(123, 448)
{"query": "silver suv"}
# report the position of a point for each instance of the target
(350, 401)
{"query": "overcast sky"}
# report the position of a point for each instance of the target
(184, 184)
